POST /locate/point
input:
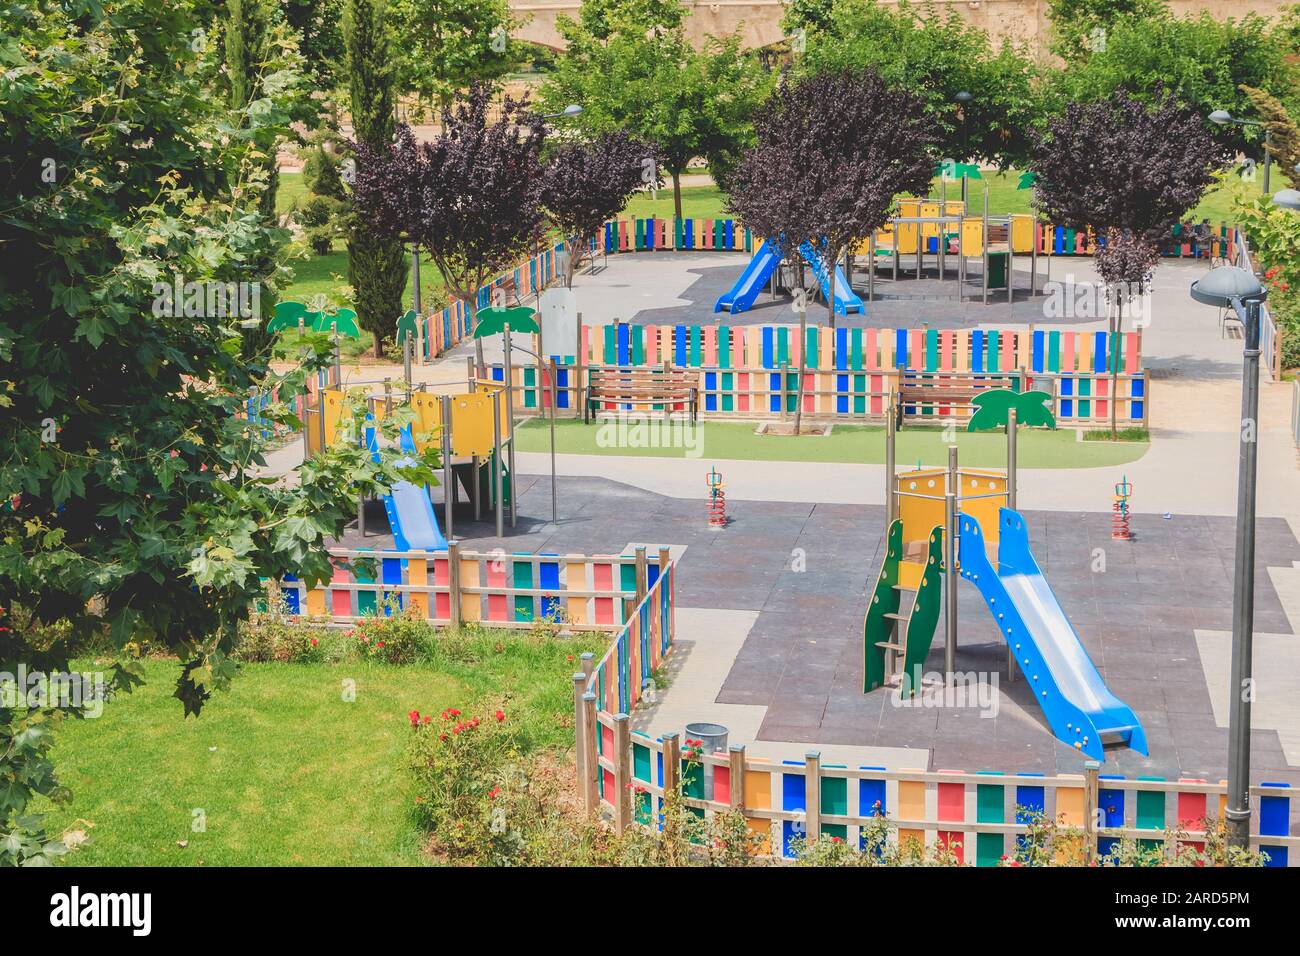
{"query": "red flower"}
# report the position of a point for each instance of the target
(493, 794)
(499, 716)
(379, 644)
(427, 718)
(454, 712)
(313, 642)
(442, 736)
(414, 717)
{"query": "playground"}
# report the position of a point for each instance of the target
(870, 445)
(800, 546)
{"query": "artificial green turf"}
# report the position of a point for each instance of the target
(284, 769)
(862, 444)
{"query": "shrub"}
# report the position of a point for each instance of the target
(275, 637)
(394, 636)
(319, 218)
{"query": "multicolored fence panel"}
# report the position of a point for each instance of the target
(440, 331)
(752, 371)
(648, 235)
(982, 818)
(577, 592)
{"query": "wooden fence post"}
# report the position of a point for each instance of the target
(588, 663)
(622, 772)
(737, 775)
(453, 581)
(580, 756)
(642, 575)
(672, 763)
(812, 795)
(1091, 770)
(590, 730)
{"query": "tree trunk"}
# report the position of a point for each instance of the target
(472, 302)
(831, 264)
(1116, 331)
(677, 194)
(803, 364)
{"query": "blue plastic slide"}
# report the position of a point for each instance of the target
(743, 293)
(410, 512)
(846, 300)
(1078, 705)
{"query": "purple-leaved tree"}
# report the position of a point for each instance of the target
(586, 184)
(833, 151)
(1130, 170)
(469, 198)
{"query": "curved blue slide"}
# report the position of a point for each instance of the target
(744, 292)
(410, 511)
(1078, 705)
(766, 259)
(846, 300)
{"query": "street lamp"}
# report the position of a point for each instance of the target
(573, 109)
(963, 99)
(1224, 118)
(1236, 288)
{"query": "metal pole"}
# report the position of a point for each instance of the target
(1011, 459)
(871, 268)
(1268, 161)
(448, 475)
(1237, 813)
(415, 277)
(1011, 503)
(510, 423)
(496, 463)
(891, 425)
(950, 568)
(555, 508)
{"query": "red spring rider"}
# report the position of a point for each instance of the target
(1119, 515)
(717, 499)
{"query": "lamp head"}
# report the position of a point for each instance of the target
(1225, 285)
(1220, 117)
(1287, 198)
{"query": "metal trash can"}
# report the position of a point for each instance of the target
(713, 740)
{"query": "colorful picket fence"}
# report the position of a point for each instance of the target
(441, 330)
(648, 235)
(499, 589)
(753, 370)
(644, 235)
(978, 817)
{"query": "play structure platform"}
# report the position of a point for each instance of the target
(951, 524)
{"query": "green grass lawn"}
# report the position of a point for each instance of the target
(285, 771)
(862, 444)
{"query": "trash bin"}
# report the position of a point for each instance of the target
(713, 740)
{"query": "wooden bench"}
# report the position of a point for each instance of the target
(952, 390)
(642, 388)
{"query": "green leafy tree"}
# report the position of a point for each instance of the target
(376, 263)
(1203, 61)
(134, 507)
(444, 45)
(1082, 27)
(317, 26)
(657, 87)
(936, 56)
(1284, 135)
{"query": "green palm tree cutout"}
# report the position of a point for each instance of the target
(494, 319)
(317, 316)
(406, 326)
(991, 408)
(1027, 179)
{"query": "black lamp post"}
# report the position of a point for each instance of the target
(963, 99)
(1224, 118)
(1236, 288)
